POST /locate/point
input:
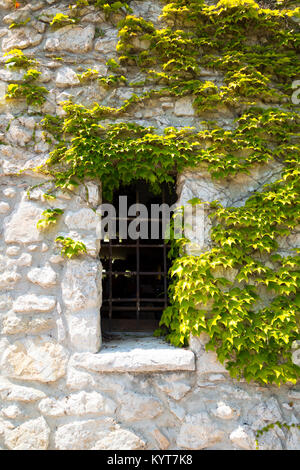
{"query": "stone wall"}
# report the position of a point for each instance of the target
(57, 391)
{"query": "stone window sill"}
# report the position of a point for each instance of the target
(137, 354)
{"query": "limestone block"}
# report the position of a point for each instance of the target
(121, 439)
(173, 387)
(5, 302)
(296, 357)
(66, 77)
(198, 432)
(24, 260)
(208, 363)
(78, 404)
(56, 259)
(17, 16)
(8, 279)
(82, 435)
(84, 330)
(106, 46)
(224, 411)
(4, 207)
(140, 44)
(30, 303)
(8, 75)
(5, 425)
(162, 441)
(11, 412)
(18, 135)
(81, 285)
(265, 412)
(136, 407)
(14, 325)
(9, 192)
(84, 219)
(38, 359)
(93, 194)
(21, 38)
(25, 232)
(31, 435)
(78, 380)
(13, 250)
(293, 439)
(176, 410)
(44, 277)
(184, 107)
(6, 3)
(137, 355)
(294, 395)
(71, 39)
(243, 437)
(12, 392)
(270, 440)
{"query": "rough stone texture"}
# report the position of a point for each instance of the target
(243, 437)
(80, 404)
(71, 39)
(136, 407)
(13, 325)
(137, 355)
(12, 392)
(33, 303)
(58, 389)
(32, 435)
(66, 77)
(44, 277)
(121, 439)
(21, 39)
(25, 232)
(198, 432)
(81, 285)
(35, 359)
(85, 219)
(173, 388)
(184, 107)
(82, 435)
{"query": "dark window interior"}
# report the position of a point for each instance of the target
(135, 277)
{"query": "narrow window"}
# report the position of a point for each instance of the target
(135, 268)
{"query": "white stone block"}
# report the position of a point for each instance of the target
(198, 432)
(184, 107)
(84, 219)
(84, 330)
(71, 39)
(39, 359)
(30, 303)
(137, 355)
(81, 285)
(66, 77)
(4, 207)
(31, 435)
(44, 277)
(21, 226)
(78, 404)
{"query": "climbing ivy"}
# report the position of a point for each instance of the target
(249, 54)
(28, 89)
(267, 428)
(50, 218)
(70, 248)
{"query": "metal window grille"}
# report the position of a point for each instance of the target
(135, 272)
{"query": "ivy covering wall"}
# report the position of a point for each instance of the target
(255, 48)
